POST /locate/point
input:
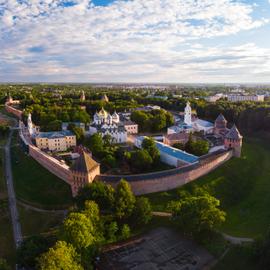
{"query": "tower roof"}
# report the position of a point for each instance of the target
(84, 163)
(221, 118)
(233, 134)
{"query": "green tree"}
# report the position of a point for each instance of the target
(159, 120)
(54, 125)
(197, 214)
(125, 232)
(149, 145)
(61, 256)
(180, 146)
(99, 192)
(141, 118)
(142, 212)
(30, 249)
(79, 133)
(4, 265)
(200, 147)
(95, 144)
(109, 161)
(141, 160)
(111, 232)
(124, 200)
(78, 230)
(4, 129)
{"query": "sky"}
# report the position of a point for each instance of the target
(140, 41)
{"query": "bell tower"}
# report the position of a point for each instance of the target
(187, 117)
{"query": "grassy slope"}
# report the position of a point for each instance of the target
(34, 222)
(250, 217)
(36, 185)
(237, 259)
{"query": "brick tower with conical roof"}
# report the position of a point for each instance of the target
(233, 140)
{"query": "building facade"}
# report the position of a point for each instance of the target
(239, 98)
(55, 141)
(107, 124)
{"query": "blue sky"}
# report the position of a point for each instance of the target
(135, 41)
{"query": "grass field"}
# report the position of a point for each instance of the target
(7, 248)
(237, 258)
(250, 216)
(37, 186)
(34, 222)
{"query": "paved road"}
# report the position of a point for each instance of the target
(17, 233)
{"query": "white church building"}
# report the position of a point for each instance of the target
(107, 124)
(191, 124)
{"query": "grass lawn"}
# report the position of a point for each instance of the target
(237, 258)
(7, 247)
(37, 186)
(34, 222)
(250, 217)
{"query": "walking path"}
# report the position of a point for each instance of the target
(53, 211)
(17, 233)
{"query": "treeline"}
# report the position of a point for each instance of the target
(155, 120)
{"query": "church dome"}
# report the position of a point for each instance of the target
(103, 113)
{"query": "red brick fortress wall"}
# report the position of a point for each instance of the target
(13, 110)
(51, 164)
(167, 180)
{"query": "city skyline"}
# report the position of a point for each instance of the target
(157, 41)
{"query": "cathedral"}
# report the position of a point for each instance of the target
(107, 124)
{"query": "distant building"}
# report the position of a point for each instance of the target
(214, 98)
(148, 108)
(55, 140)
(83, 171)
(239, 98)
(157, 97)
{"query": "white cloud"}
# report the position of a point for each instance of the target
(127, 40)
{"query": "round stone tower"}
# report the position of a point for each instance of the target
(233, 140)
